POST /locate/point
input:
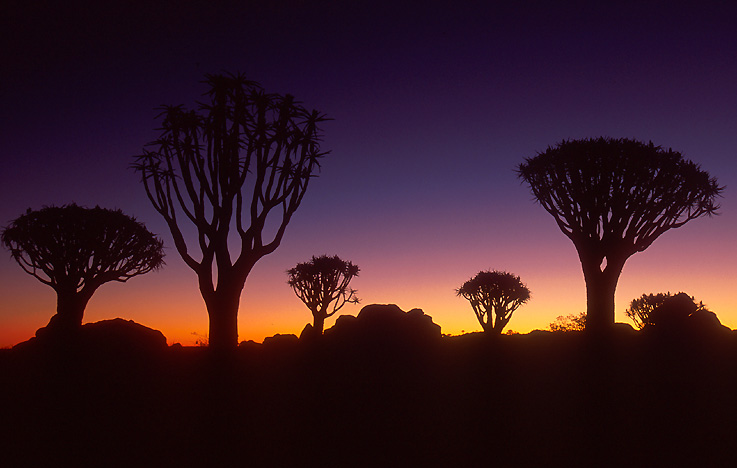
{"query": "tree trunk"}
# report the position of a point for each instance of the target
(70, 307)
(318, 323)
(600, 289)
(222, 308)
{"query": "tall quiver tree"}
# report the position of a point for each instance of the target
(75, 250)
(613, 198)
(322, 284)
(494, 296)
(224, 168)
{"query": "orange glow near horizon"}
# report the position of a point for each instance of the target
(170, 302)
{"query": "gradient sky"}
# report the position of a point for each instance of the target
(435, 105)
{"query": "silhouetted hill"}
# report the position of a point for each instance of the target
(360, 397)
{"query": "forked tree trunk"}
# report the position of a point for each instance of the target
(499, 325)
(600, 290)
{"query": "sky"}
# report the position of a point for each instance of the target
(434, 105)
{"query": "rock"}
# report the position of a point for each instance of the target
(250, 344)
(344, 322)
(309, 334)
(106, 336)
(382, 322)
(680, 316)
(281, 340)
(672, 315)
(122, 335)
(706, 321)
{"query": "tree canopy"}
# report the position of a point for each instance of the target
(613, 198)
(494, 296)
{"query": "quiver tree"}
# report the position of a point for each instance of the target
(75, 250)
(613, 198)
(641, 308)
(321, 282)
(494, 296)
(224, 168)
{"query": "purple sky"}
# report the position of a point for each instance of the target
(435, 105)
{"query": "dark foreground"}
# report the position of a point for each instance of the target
(525, 400)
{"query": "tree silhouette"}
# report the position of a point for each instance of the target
(571, 322)
(245, 155)
(640, 309)
(665, 311)
(613, 198)
(322, 281)
(494, 296)
(75, 250)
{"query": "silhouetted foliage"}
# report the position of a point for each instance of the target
(323, 281)
(75, 250)
(680, 314)
(494, 296)
(640, 309)
(224, 168)
(613, 198)
(567, 323)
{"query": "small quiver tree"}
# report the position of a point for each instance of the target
(75, 250)
(494, 296)
(640, 309)
(321, 282)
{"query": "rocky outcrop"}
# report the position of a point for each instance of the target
(106, 336)
(680, 316)
(385, 323)
(280, 340)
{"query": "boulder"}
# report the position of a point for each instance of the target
(249, 344)
(706, 321)
(280, 340)
(104, 337)
(382, 322)
(309, 334)
(120, 334)
(680, 316)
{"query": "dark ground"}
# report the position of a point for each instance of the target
(525, 400)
